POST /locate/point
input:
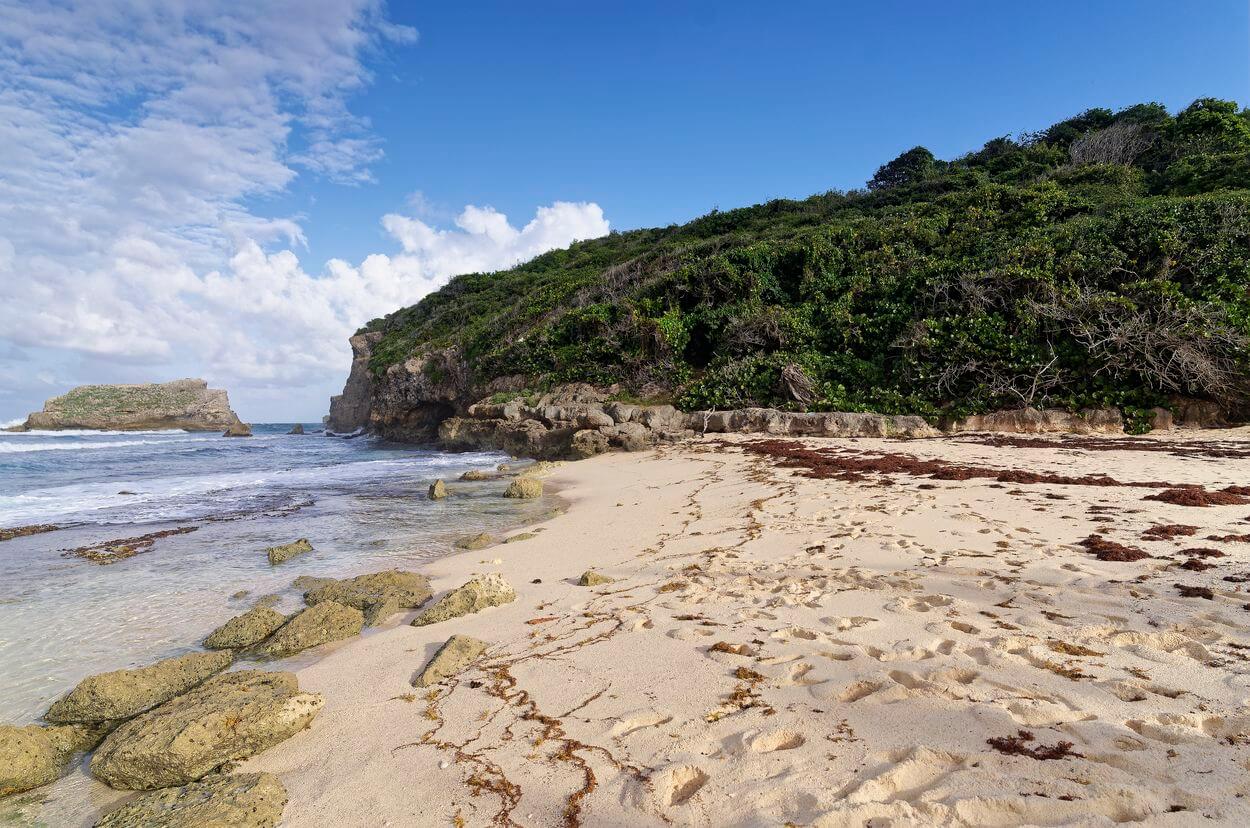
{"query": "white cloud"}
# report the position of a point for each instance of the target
(136, 135)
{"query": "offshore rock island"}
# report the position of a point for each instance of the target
(187, 404)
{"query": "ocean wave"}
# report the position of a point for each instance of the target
(23, 447)
(88, 432)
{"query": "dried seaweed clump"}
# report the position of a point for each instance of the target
(1018, 746)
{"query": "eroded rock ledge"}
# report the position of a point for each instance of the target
(430, 398)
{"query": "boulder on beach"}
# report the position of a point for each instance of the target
(592, 578)
(31, 756)
(252, 627)
(524, 536)
(477, 474)
(245, 800)
(297, 429)
(438, 490)
(475, 542)
(379, 611)
(457, 652)
(525, 488)
(409, 590)
(278, 554)
(483, 591)
(227, 718)
(319, 624)
(122, 694)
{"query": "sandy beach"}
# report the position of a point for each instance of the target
(782, 646)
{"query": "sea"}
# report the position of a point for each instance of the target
(360, 501)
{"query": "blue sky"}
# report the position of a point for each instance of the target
(225, 189)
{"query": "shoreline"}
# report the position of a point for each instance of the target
(779, 648)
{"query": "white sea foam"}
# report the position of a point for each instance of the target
(24, 447)
(88, 432)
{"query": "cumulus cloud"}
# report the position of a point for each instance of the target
(136, 137)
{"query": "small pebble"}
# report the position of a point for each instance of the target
(444, 765)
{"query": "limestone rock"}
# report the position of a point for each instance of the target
(186, 404)
(247, 629)
(321, 623)
(350, 410)
(377, 612)
(237, 430)
(477, 474)
(122, 694)
(587, 443)
(525, 488)
(278, 554)
(1039, 421)
(457, 652)
(311, 582)
(408, 588)
(483, 591)
(524, 536)
(438, 490)
(247, 800)
(32, 756)
(474, 542)
(592, 578)
(229, 717)
(298, 428)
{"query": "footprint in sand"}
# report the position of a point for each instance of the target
(639, 720)
(776, 740)
(677, 785)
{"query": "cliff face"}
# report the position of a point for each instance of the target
(186, 404)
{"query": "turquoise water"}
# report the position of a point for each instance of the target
(361, 502)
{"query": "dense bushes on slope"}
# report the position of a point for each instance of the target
(1105, 260)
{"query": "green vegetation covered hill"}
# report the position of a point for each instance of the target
(1105, 260)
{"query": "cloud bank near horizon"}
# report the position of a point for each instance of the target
(137, 138)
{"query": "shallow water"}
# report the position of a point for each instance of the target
(361, 503)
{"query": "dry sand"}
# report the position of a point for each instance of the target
(782, 649)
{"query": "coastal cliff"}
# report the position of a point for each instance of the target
(1087, 267)
(187, 404)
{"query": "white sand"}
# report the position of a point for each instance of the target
(883, 634)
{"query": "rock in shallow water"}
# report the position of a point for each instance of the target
(408, 588)
(457, 652)
(478, 594)
(319, 624)
(475, 542)
(229, 717)
(438, 490)
(247, 800)
(247, 629)
(122, 694)
(32, 756)
(278, 554)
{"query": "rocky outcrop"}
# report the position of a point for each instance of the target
(238, 430)
(278, 554)
(408, 590)
(123, 694)
(186, 404)
(229, 717)
(457, 652)
(438, 490)
(298, 428)
(1040, 421)
(474, 542)
(246, 630)
(319, 624)
(246, 800)
(474, 596)
(32, 756)
(349, 411)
